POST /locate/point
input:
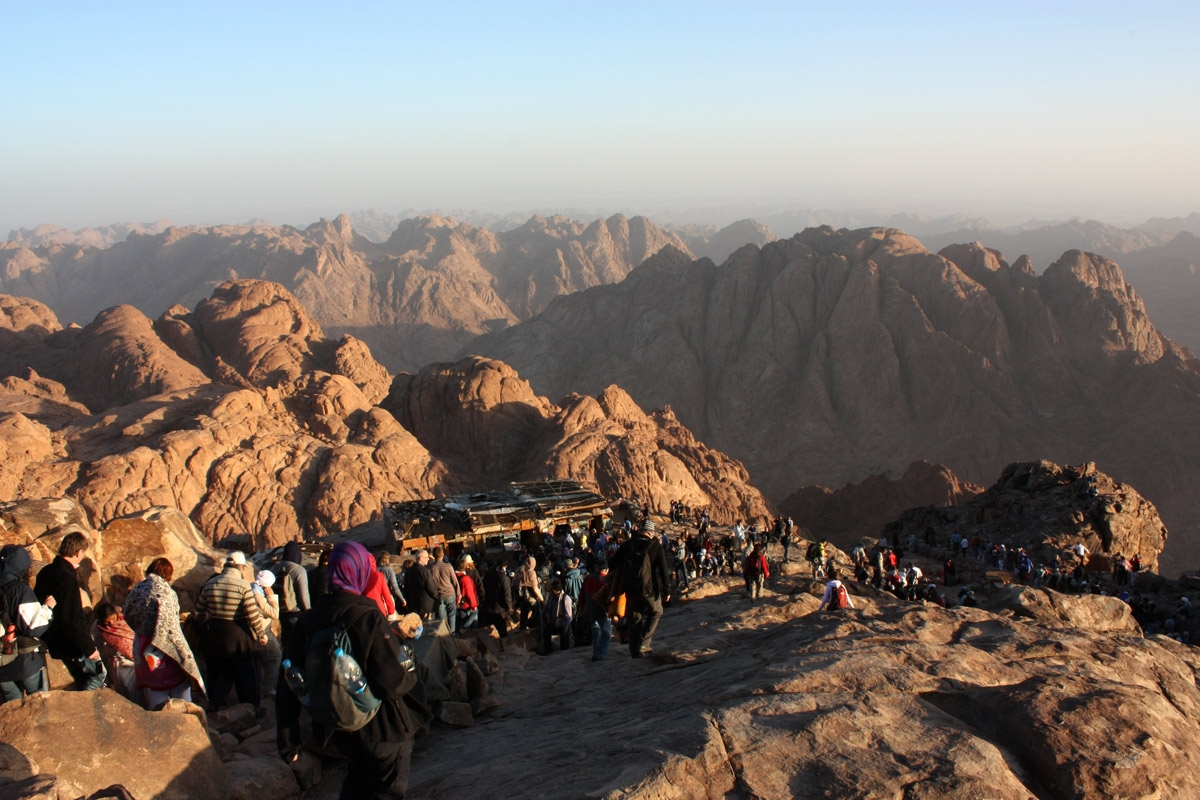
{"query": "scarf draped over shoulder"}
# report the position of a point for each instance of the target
(152, 610)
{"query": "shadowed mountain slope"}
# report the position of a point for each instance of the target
(835, 355)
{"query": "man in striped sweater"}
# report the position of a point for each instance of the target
(234, 631)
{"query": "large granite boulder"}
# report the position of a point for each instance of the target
(1047, 509)
(95, 739)
(128, 544)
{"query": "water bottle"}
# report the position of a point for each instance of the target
(348, 672)
(10, 640)
(295, 680)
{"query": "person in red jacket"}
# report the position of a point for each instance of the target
(468, 601)
(379, 591)
(756, 572)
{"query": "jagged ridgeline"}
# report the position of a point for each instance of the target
(415, 298)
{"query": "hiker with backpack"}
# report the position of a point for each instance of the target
(816, 557)
(22, 671)
(756, 572)
(836, 597)
(292, 580)
(366, 715)
(642, 563)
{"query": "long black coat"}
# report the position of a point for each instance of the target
(68, 635)
(497, 592)
(377, 651)
(420, 590)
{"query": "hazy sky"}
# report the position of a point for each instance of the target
(220, 112)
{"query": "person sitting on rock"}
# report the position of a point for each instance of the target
(1184, 609)
(26, 674)
(114, 639)
(69, 637)
(163, 661)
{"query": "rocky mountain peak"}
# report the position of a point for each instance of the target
(1090, 296)
(335, 231)
(259, 329)
(813, 357)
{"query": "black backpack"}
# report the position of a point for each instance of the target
(330, 703)
(641, 574)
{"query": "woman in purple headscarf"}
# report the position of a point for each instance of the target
(380, 752)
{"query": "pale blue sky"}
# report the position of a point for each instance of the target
(219, 112)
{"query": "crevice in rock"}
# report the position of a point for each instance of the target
(741, 789)
(978, 722)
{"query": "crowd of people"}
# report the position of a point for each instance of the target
(584, 587)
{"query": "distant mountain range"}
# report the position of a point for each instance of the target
(415, 298)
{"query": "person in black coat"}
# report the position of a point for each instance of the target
(380, 753)
(69, 636)
(497, 598)
(419, 588)
(645, 589)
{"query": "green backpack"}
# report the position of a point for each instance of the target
(330, 703)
